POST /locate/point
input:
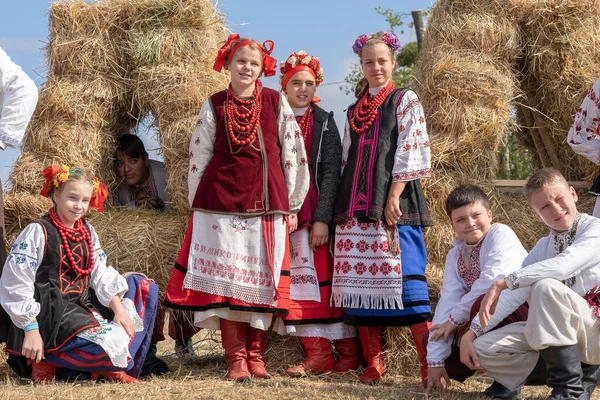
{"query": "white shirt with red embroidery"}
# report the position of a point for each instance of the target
(18, 98)
(413, 154)
(584, 136)
(500, 253)
(292, 150)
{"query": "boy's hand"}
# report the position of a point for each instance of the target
(437, 379)
(468, 355)
(319, 234)
(488, 304)
(33, 346)
(443, 330)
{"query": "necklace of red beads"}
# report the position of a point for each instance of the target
(365, 111)
(304, 121)
(243, 125)
(75, 234)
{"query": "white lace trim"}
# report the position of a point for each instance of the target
(335, 331)
(226, 289)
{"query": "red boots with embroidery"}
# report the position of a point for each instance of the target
(319, 357)
(256, 343)
(233, 337)
(348, 359)
(119, 376)
(372, 345)
(419, 332)
(42, 372)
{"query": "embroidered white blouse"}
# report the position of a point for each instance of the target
(500, 254)
(18, 98)
(578, 265)
(413, 154)
(292, 148)
(18, 276)
(584, 137)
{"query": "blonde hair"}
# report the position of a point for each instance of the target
(542, 178)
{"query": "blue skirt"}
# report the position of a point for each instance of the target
(415, 295)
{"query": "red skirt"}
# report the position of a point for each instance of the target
(179, 298)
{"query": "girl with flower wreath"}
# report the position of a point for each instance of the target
(380, 209)
(72, 315)
(310, 315)
(248, 171)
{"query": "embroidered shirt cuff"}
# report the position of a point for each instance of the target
(436, 364)
(411, 176)
(453, 321)
(511, 281)
(477, 329)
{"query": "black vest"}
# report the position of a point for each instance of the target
(367, 176)
(65, 297)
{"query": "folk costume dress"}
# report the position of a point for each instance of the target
(584, 135)
(38, 282)
(468, 273)
(560, 279)
(310, 312)
(376, 287)
(234, 262)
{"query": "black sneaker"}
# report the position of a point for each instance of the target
(499, 391)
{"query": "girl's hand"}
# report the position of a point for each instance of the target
(319, 234)
(33, 346)
(392, 211)
(293, 222)
(126, 323)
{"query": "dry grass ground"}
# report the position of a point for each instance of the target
(202, 377)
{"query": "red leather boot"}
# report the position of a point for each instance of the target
(256, 346)
(319, 358)
(372, 345)
(348, 355)
(119, 376)
(419, 332)
(233, 338)
(42, 372)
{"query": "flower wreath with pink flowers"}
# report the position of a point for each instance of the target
(389, 38)
(302, 58)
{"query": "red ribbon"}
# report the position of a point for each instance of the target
(221, 59)
(224, 55)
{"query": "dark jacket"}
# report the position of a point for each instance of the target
(326, 162)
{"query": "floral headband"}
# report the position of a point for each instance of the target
(234, 43)
(389, 38)
(300, 61)
(56, 176)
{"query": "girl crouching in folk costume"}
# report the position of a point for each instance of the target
(310, 315)
(71, 312)
(380, 209)
(248, 169)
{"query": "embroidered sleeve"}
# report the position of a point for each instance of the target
(477, 329)
(19, 100)
(105, 280)
(345, 145)
(500, 254)
(571, 262)
(452, 291)
(413, 158)
(584, 135)
(18, 276)
(201, 147)
(294, 161)
(508, 303)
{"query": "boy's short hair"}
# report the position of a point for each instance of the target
(542, 178)
(466, 194)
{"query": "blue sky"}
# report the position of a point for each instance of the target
(323, 28)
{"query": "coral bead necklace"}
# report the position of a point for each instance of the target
(304, 121)
(243, 125)
(75, 234)
(365, 111)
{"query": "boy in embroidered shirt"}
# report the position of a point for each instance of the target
(560, 280)
(483, 253)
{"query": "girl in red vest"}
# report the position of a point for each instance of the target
(248, 170)
(310, 315)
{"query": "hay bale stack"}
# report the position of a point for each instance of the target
(562, 45)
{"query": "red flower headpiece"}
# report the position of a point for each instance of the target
(234, 43)
(56, 176)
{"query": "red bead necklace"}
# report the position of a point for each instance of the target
(304, 121)
(242, 126)
(366, 111)
(66, 232)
